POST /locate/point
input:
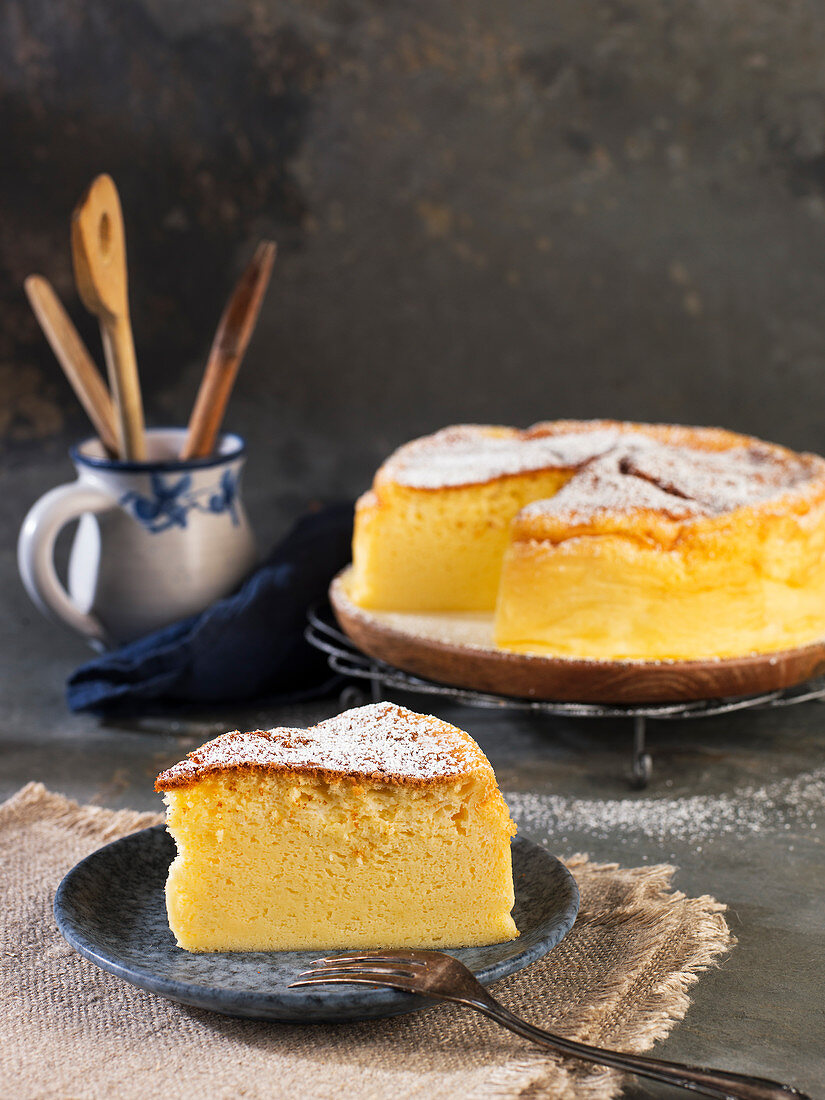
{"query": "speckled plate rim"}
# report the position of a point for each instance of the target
(280, 1003)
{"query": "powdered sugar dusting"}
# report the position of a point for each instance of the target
(616, 470)
(471, 455)
(641, 473)
(381, 741)
(718, 481)
(604, 486)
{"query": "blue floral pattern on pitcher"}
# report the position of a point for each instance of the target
(173, 499)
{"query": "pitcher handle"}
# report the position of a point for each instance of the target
(35, 554)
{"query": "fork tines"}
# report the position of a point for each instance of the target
(401, 969)
(402, 955)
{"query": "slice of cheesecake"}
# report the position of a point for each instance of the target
(377, 828)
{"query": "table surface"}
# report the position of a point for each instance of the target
(737, 803)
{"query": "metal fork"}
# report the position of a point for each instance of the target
(434, 974)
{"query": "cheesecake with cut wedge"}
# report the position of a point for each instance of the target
(600, 540)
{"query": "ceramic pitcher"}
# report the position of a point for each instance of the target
(157, 540)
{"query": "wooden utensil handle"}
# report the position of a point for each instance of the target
(121, 363)
(210, 407)
(234, 332)
(74, 358)
(99, 253)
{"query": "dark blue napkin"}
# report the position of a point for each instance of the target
(247, 646)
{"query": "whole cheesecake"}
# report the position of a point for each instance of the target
(601, 539)
(378, 828)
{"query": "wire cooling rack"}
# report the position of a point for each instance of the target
(344, 658)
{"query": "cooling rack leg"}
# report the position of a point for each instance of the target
(352, 696)
(642, 764)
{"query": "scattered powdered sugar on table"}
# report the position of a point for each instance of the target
(784, 805)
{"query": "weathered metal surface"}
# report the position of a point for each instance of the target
(486, 210)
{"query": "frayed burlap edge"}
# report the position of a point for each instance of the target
(34, 803)
(662, 1003)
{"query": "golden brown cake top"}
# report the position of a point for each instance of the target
(680, 472)
(380, 743)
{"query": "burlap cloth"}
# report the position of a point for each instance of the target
(68, 1030)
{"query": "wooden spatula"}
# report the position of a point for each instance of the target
(74, 358)
(231, 340)
(99, 251)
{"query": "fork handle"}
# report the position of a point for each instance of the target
(707, 1082)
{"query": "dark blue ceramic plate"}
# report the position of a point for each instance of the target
(111, 908)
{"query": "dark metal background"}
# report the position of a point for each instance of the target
(486, 210)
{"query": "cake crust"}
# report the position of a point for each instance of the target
(380, 743)
(677, 471)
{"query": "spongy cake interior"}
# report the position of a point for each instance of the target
(278, 863)
(439, 551)
(291, 858)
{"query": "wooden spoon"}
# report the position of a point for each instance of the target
(99, 251)
(228, 348)
(74, 358)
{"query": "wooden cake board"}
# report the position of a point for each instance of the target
(457, 649)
